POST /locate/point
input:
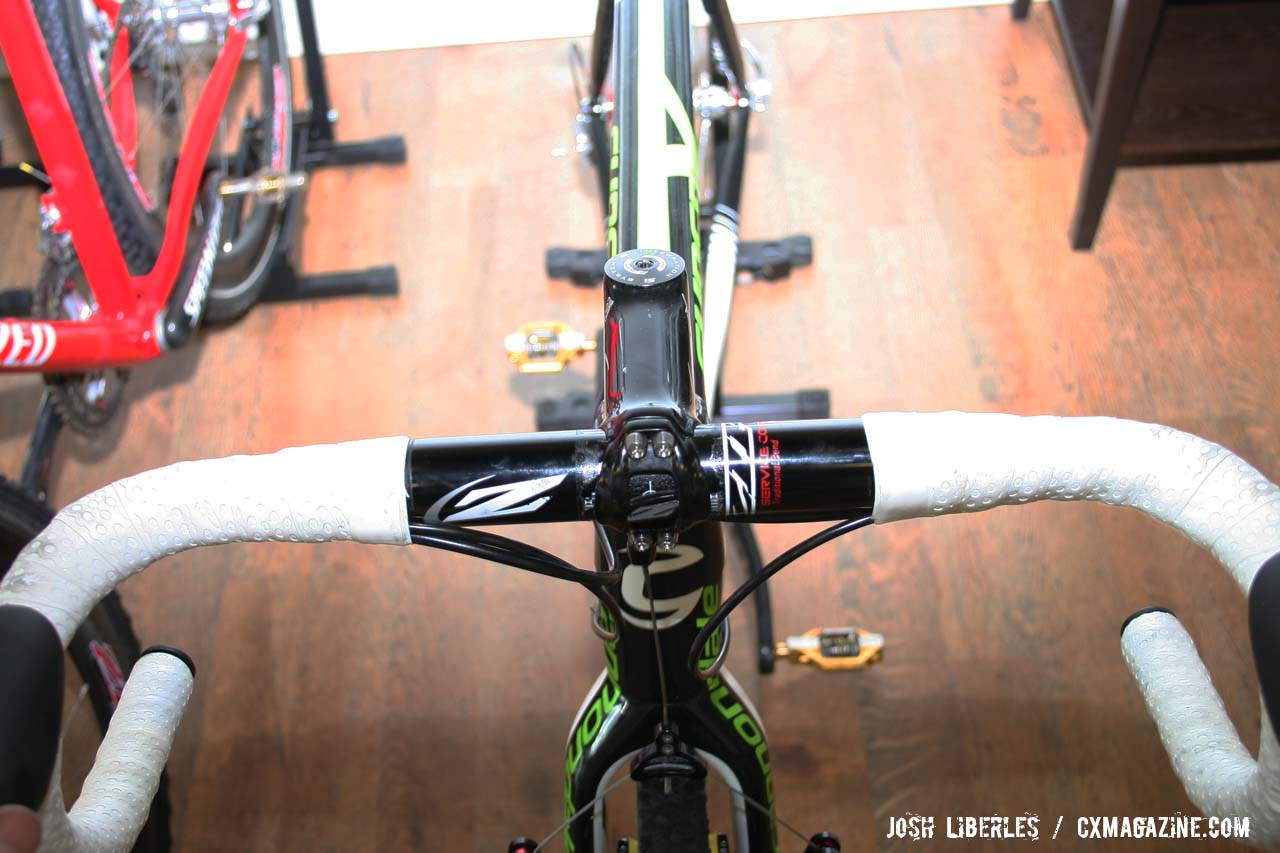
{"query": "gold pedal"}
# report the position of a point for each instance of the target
(546, 347)
(832, 649)
(265, 184)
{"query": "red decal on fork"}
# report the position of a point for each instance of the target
(109, 668)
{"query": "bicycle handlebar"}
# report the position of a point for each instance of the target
(898, 465)
(952, 462)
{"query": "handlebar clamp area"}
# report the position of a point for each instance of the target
(651, 485)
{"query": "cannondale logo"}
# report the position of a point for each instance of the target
(669, 611)
(493, 501)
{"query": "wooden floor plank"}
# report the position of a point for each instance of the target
(378, 698)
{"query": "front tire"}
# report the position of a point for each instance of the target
(674, 822)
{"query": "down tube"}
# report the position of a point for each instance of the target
(622, 711)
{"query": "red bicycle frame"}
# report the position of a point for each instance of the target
(126, 328)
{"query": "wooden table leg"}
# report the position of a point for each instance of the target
(1130, 37)
(1020, 9)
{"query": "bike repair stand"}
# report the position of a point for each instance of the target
(771, 260)
(317, 148)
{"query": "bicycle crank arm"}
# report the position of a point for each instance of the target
(833, 649)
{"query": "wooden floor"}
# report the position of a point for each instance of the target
(359, 698)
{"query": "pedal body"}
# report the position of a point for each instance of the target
(546, 346)
(833, 649)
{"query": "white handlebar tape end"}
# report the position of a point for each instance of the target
(355, 491)
(947, 462)
(117, 793)
(1219, 775)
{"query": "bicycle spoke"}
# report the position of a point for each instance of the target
(165, 67)
(135, 50)
(80, 697)
(84, 760)
(580, 812)
(772, 815)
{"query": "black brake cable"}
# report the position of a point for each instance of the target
(577, 65)
(657, 648)
(519, 555)
(510, 552)
(580, 812)
(776, 565)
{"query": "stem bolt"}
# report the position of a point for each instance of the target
(666, 540)
(637, 445)
(664, 444)
(640, 542)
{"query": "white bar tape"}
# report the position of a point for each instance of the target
(116, 796)
(932, 464)
(1219, 774)
(354, 490)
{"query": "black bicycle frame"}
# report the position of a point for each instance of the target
(623, 712)
(653, 384)
(782, 471)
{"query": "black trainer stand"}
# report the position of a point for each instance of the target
(18, 303)
(13, 177)
(316, 148)
(771, 260)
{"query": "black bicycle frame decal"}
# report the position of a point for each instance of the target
(637, 600)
